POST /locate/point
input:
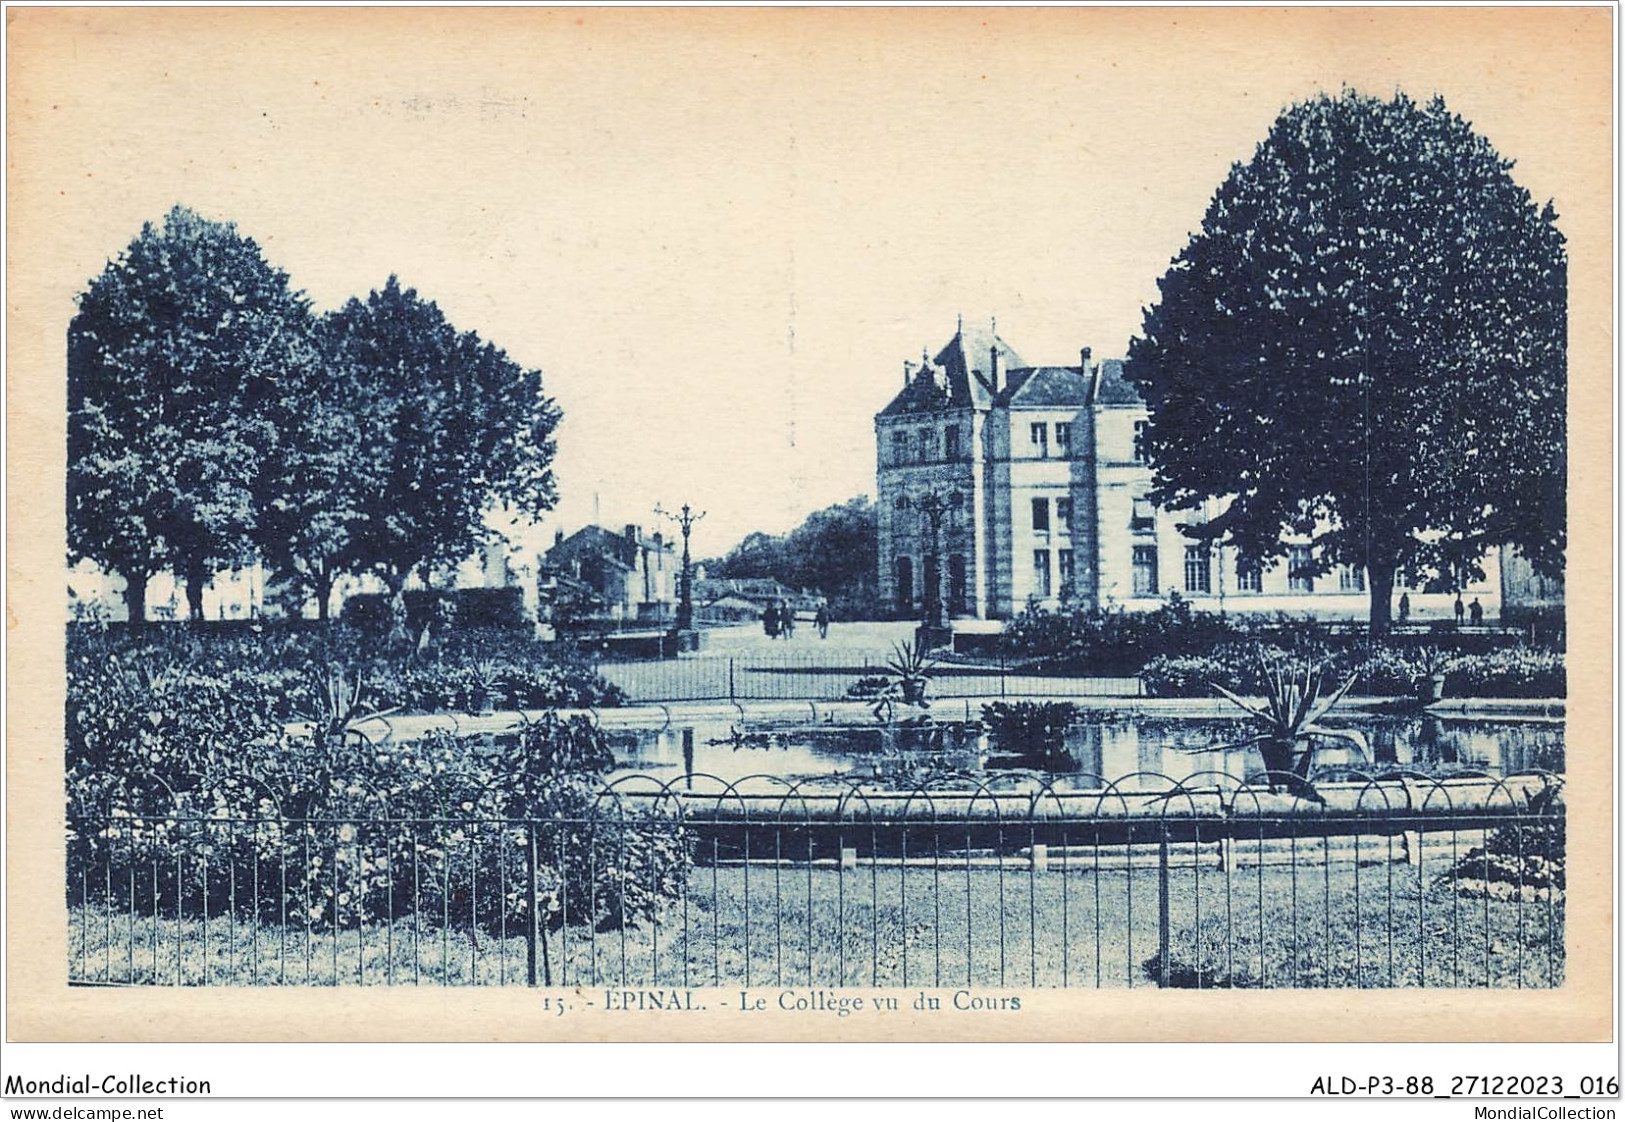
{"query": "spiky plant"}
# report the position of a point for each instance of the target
(338, 706)
(908, 673)
(1289, 723)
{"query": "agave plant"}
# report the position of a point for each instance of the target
(338, 706)
(487, 681)
(1289, 720)
(908, 673)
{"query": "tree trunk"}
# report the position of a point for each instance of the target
(196, 578)
(324, 592)
(1380, 579)
(135, 598)
(398, 634)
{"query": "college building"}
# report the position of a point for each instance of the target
(1030, 482)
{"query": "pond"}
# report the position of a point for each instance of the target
(1110, 746)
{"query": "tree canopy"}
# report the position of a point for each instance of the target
(447, 427)
(213, 421)
(1365, 348)
(834, 552)
(174, 357)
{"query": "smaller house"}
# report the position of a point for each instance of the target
(624, 577)
(743, 599)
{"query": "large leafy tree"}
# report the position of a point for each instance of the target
(313, 493)
(446, 428)
(1364, 347)
(175, 357)
(834, 552)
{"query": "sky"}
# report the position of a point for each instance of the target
(719, 234)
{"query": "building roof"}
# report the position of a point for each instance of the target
(1114, 389)
(595, 541)
(959, 377)
(1046, 387)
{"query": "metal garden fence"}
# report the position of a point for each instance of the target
(1400, 882)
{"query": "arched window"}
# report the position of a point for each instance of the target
(905, 585)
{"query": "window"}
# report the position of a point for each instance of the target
(899, 446)
(957, 585)
(1350, 578)
(1139, 441)
(1145, 570)
(1300, 576)
(1066, 566)
(1038, 433)
(950, 442)
(1198, 569)
(1041, 573)
(1249, 576)
(1063, 515)
(905, 585)
(1144, 516)
(1040, 516)
(927, 439)
(1063, 437)
(899, 503)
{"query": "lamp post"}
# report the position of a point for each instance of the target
(685, 596)
(934, 506)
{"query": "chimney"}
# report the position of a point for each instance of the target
(558, 538)
(908, 372)
(1084, 355)
(993, 364)
(632, 533)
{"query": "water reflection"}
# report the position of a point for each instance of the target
(1110, 749)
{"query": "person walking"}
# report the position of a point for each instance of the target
(1460, 611)
(1475, 612)
(787, 620)
(821, 621)
(770, 621)
(1404, 607)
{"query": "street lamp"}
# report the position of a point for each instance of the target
(685, 594)
(935, 507)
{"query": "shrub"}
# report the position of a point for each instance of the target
(1034, 731)
(1111, 640)
(372, 835)
(273, 664)
(1392, 672)
(1515, 672)
(1384, 671)
(1529, 853)
(468, 607)
(867, 687)
(1194, 676)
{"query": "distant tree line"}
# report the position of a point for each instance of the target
(834, 552)
(215, 420)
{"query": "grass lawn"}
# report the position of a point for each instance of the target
(1335, 925)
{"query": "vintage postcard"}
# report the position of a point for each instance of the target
(818, 524)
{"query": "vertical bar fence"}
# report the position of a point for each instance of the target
(1204, 883)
